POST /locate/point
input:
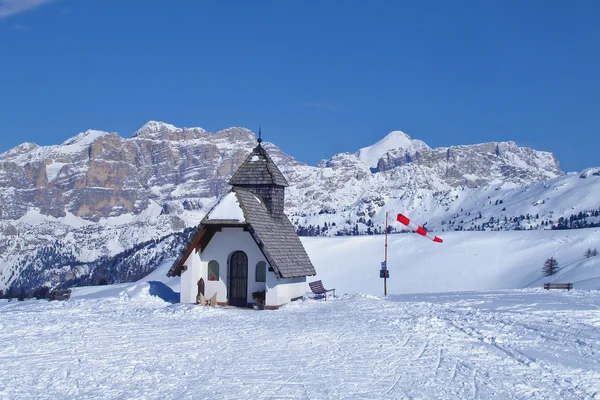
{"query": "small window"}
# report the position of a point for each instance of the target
(261, 271)
(213, 271)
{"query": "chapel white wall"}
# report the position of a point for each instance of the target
(220, 248)
(282, 291)
(190, 278)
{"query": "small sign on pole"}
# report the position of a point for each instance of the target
(384, 273)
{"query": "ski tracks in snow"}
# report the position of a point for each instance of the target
(484, 345)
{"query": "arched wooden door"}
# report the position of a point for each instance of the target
(238, 279)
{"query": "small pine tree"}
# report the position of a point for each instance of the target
(594, 252)
(550, 267)
(588, 253)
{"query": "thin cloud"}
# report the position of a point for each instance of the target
(20, 27)
(321, 104)
(12, 7)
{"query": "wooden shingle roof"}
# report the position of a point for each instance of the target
(276, 237)
(258, 169)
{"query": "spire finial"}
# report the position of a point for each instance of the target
(259, 135)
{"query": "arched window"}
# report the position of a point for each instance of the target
(213, 270)
(261, 271)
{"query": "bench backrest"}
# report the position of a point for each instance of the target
(316, 287)
(558, 286)
(60, 294)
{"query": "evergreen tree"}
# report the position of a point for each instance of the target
(588, 253)
(550, 267)
(101, 280)
(594, 252)
(42, 292)
(13, 292)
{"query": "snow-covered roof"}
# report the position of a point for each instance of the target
(227, 209)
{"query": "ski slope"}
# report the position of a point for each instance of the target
(134, 341)
(465, 261)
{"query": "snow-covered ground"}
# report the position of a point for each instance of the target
(488, 345)
(465, 261)
(135, 341)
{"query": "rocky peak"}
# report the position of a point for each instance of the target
(157, 130)
(154, 129)
(236, 133)
(393, 141)
(84, 138)
(21, 149)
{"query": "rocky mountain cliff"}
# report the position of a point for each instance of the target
(99, 195)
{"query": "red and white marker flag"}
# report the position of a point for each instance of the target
(419, 229)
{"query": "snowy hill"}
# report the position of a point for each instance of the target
(465, 261)
(102, 204)
(130, 340)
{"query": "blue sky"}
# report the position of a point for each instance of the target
(321, 77)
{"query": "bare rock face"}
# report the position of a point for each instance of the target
(347, 179)
(10, 230)
(97, 175)
(98, 193)
(477, 165)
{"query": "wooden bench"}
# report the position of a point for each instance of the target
(567, 286)
(318, 289)
(60, 295)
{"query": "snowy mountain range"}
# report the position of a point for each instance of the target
(100, 204)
